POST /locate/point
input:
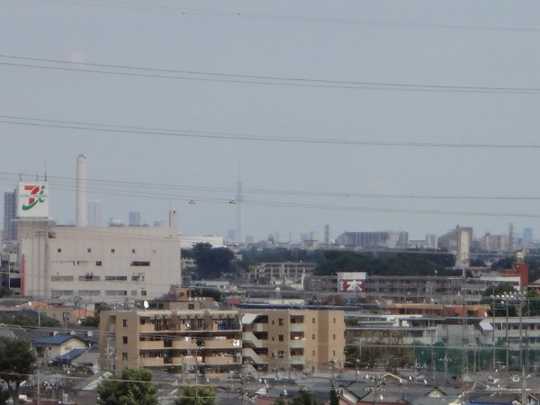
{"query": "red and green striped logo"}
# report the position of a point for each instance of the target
(37, 196)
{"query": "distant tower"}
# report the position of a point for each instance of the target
(172, 218)
(81, 197)
(511, 237)
(135, 218)
(95, 213)
(239, 201)
(327, 235)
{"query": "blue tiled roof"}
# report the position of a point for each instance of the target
(52, 340)
(68, 357)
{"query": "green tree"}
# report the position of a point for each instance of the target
(90, 322)
(334, 399)
(212, 262)
(27, 318)
(17, 361)
(135, 389)
(533, 305)
(384, 263)
(197, 395)
(4, 396)
(280, 401)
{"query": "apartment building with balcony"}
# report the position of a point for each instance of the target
(278, 338)
(203, 341)
(213, 341)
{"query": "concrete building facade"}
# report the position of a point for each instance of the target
(112, 264)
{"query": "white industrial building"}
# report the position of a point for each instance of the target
(87, 263)
(97, 264)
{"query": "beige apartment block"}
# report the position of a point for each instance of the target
(219, 341)
(206, 341)
(284, 339)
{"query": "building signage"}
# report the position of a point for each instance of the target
(351, 282)
(33, 200)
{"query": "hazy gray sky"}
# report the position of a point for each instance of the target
(141, 33)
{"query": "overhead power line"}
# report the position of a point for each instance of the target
(172, 11)
(231, 136)
(31, 62)
(106, 184)
(191, 199)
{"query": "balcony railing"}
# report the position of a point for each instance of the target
(152, 362)
(150, 345)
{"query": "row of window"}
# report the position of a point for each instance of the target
(281, 338)
(109, 293)
(113, 250)
(296, 319)
(515, 326)
(99, 263)
(92, 277)
(280, 354)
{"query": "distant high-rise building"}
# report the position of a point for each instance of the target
(371, 240)
(81, 191)
(231, 235)
(327, 235)
(10, 213)
(528, 236)
(95, 213)
(134, 218)
(511, 236)
(458, 241)
(431, 241)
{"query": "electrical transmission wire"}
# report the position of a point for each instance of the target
(306, 205)
(31, 62)
(105, 184)
(231, 136)
(173, 11)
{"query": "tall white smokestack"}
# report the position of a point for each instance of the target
(81, 197)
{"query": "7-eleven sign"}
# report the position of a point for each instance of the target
(33, 200)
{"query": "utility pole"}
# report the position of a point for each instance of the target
(506, 340)
(38, 391)
(493, 310)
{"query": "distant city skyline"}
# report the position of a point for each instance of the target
(412, 44)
